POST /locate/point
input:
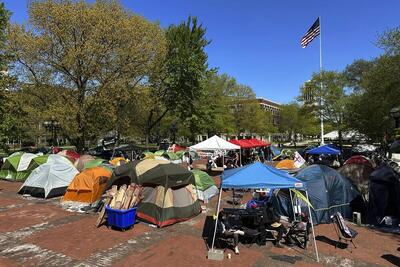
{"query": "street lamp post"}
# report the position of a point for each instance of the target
(395, 114)
(173, 131)
(52, 126)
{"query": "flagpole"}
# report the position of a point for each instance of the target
(320, 76)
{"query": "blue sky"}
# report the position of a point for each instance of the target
(258, 42)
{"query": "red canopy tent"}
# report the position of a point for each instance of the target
(260, 142)
(175, 148)
(242, 143)
(249, 143)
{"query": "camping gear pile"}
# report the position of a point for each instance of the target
(124, 199)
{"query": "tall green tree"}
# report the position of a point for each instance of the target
(333, 95)
(389, 41)
(82, 52)
(294, 120)
(369, 109)
(178, 83)
(5, 81)
(375, 88)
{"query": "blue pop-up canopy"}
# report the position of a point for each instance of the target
(258, 175)
(323, 150)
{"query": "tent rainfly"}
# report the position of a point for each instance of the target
(50, 179)
(256, 176)
(15, 167)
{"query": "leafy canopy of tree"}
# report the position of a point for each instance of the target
(177, 83)
(85, 53)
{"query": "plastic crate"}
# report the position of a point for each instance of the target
(121, 218)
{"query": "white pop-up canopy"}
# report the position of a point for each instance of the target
(215, 143)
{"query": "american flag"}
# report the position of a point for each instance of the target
(311, 34)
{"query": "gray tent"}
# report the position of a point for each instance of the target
(50, 179)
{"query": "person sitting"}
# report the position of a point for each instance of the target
(272, 222)
(224, 230)
(259, 200)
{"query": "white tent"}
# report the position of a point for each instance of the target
(334, 135)
(215, 143)
(50, 179)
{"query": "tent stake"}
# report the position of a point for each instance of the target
(312, 227)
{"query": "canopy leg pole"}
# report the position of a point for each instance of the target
(291, 202)
(240, 157)
(312, 227)
(217, 213)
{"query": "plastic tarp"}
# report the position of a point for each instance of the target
(215, 143)
(324, 150)
(259, 175)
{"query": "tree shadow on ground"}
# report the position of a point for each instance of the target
(286, 258)
(329, 241)
(392, 259)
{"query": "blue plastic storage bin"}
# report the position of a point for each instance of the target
(121, 218)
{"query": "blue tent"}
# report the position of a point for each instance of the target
(329, 192)
(325, 149)
(258, 175)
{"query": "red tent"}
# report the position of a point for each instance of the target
(259, 142)
(358, 159)
(175, 148)
(249, 143)
(70, 154)
(242, 143)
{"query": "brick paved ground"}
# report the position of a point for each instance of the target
(35, 232)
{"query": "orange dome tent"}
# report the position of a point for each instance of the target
(88, 185)
(285, 164)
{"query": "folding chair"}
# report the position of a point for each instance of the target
(342, 230)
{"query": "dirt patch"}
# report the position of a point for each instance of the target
(9, 186)
(371, 244)
(184, 250)
(6, 201)
(20, 217)
(81, 238)
(8, 263)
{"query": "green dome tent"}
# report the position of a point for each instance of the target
(96, 163)
(16, 166)
(204, 185)
(159, 153)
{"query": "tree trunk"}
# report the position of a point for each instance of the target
(340, 139)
